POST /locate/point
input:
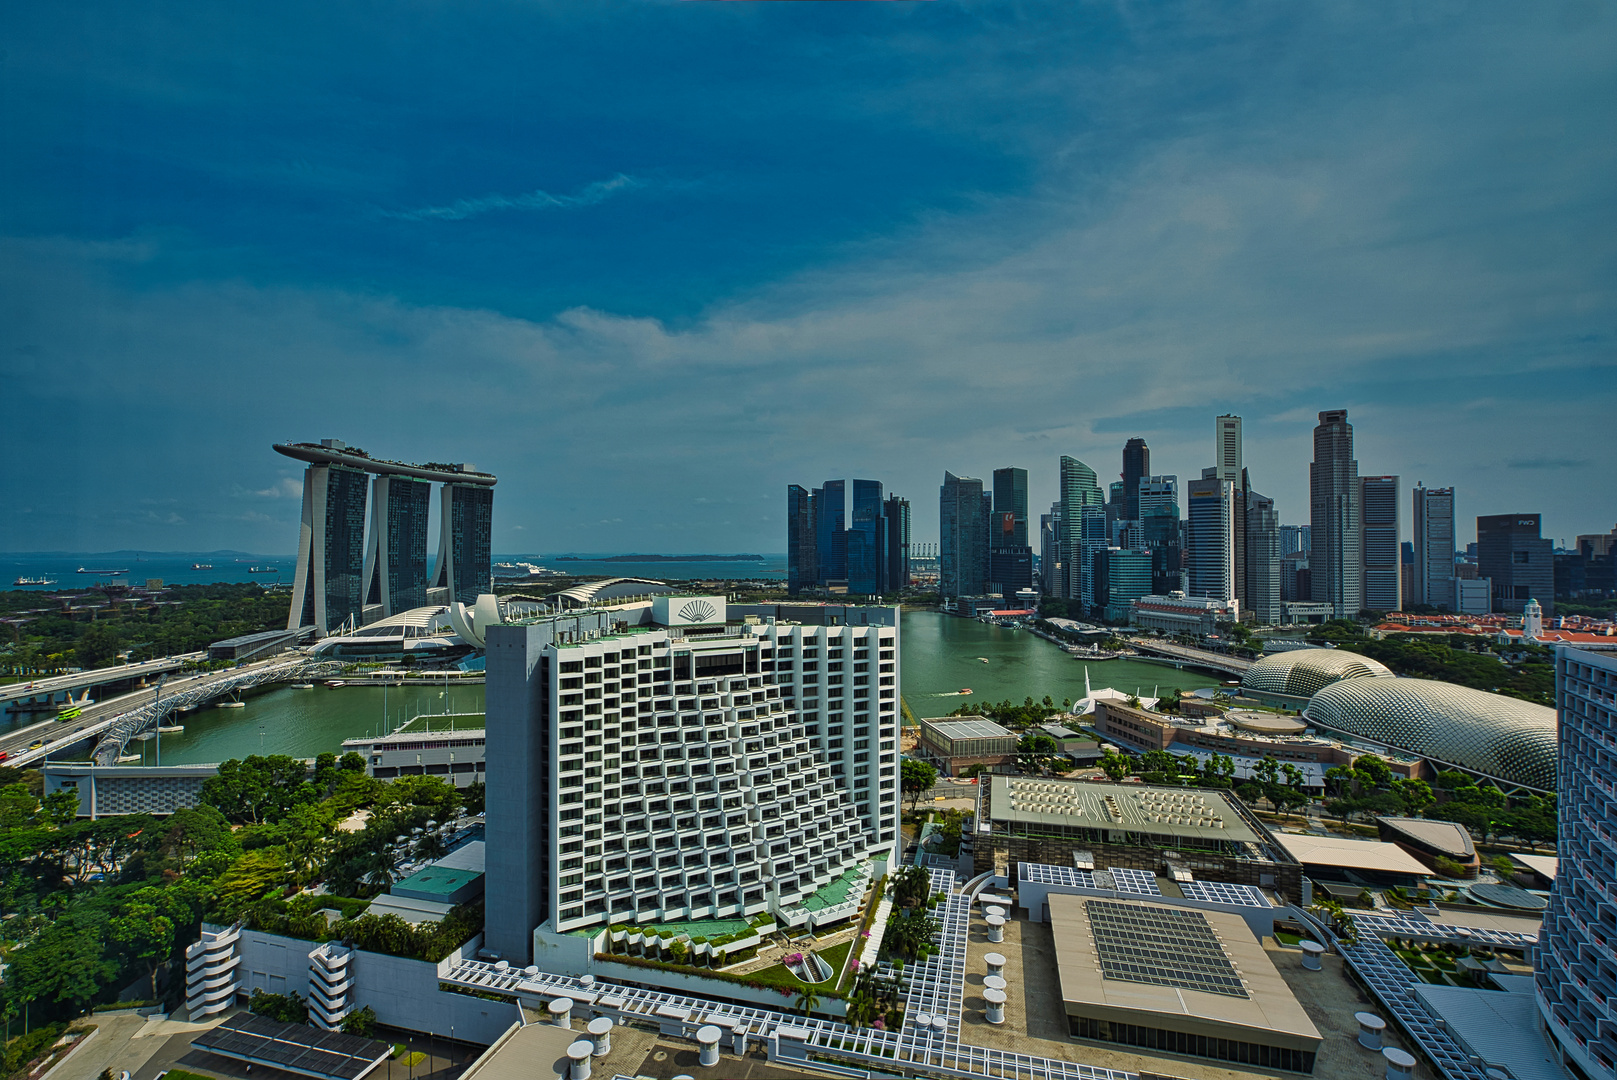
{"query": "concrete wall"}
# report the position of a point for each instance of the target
(403, 992)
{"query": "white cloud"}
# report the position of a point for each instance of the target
(589, 195)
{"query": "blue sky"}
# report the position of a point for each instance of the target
(651, 262)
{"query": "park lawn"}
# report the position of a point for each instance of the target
(1288, 939)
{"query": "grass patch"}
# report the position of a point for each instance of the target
(837, 957)
(181, 1074)
(1287, 938)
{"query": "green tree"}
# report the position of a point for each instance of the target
(286, 1008)
(808, 999)
(1115, 766)
(361, 1022)
(915, 778)
(1414, 795)
(1375, 771)
(144, 935)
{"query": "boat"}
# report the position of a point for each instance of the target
(984, 659)
(170, 729)
(263, 570)
(964, 690)
(231, 705)
(122, 758)
(104, 573)
(146, 736)
(34, 581)
(335, 683)
(202, 566)
(303, 686)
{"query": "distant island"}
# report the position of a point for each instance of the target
(662, 558)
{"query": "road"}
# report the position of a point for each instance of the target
(81, 680)
(1233, 665)
(95, 718)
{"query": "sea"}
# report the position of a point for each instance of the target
(63, 569)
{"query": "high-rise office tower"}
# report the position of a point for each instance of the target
(1136, 467)
(1336, 566)
(1295, 538)
(604, 818)
(1210, 553)
(396, 555)
(1162, 539)
(1092, 544)
(897, 512)
(328, 590)
(1157, 491)
(1576, 956)
(802, 563)
(830, 531)
(1378, 502)
(867, 541)
(1050, 572)
(465, 559)
(1520, 563)
(963, 536)
(1078, 489)
(1227, 460)
(1010, 498)
(1126, 577)
(1261, 604)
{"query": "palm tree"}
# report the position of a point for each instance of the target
(808, 999)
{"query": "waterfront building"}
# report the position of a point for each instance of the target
(1336, 569)
(396, 557)
(1517, 560)
(963, 511)
(1010, 570)
(1078, 489)
(1125, 579)
(955, 743)
(830, 533)
(1261, 603)
(1575, 964)
(1378, 501)
(1136, 467)
(449, 746)
(648, 767)
(802, 562)
(867, 541)
(1092, 545)
(1210, 556)
(465, 556)
(1176, 613)
(343, 580)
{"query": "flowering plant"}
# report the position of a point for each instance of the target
(792, 960)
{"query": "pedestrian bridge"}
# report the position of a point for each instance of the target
(1182, 656)
(43, 694)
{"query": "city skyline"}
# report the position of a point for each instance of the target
(780, 269)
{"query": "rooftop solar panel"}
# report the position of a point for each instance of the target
(1224, 892)
(1161, 946)
(1134, 881)
(294, 1047)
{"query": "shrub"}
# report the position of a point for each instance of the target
(1448, 867)
(287, 1008)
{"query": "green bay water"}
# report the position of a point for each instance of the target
(944, 653)
(301, 723)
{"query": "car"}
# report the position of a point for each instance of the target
(37, 745)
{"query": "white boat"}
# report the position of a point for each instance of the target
(231, 705)
(170, 729)
(303, 686)
(146, 736)
(124, 758)
(335, 683)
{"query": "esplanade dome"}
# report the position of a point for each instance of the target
(1305, 672)
(1501, 737)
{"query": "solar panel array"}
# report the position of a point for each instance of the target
(1047, 874)
(1223, 892)
(1134, 881)
(1161, 946)
(293, 1046)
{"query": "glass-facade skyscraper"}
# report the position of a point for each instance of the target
(963, 510)
(1378, 501)
(1078, 489)
(1136, 467)
(396, 557)
(1520, 563)
(1211, 531)
(1336, 565)
(865, 550)
(802, 563)
(830, 530)
(1010, 508)
(1433, 528)
(867, 541)
(897, 512)
(467, 517)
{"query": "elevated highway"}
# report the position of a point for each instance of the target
(1181, 656)
(46, 693)
(115, 721)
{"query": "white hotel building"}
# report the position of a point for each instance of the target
(654, 763)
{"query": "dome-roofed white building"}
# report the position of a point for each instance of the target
(1305, 672)
(1502, 738)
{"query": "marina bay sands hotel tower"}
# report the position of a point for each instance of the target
(345, 576)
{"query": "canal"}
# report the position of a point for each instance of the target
(942, 654)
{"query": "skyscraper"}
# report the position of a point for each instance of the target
(343, 577)
(1093, 543)
(1520, 563)
(1210, 555)
(1261, 604)
(963, 536)
(830, 531)
(1378, 500)
(1078, 490)
(1136, 467)
(1227, 460)
(396, 555)
(897, 512)
(1010, 498)
(1575, 956)
(1336, 567)
(1050, 571)
(1295, 538)
(802, 563)
(867, 541)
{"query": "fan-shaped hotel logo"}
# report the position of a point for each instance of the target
(697, 611)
